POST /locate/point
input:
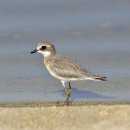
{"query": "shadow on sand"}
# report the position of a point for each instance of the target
(79, 94)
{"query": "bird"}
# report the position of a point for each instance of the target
(64, 68)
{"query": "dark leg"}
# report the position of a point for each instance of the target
(68, 92)
(70, 88)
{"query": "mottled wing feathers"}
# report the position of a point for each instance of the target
(67, 68)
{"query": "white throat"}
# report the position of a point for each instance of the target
(45, 53)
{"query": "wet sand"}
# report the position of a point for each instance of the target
(75, 117)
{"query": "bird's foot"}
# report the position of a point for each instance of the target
(67, 103)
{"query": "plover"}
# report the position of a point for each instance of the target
(64, 68)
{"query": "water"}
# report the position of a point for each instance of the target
(96, 33)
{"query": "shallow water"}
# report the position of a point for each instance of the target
(95, 33)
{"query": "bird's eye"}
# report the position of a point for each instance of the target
(43, 47)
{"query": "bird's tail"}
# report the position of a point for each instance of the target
(99, 78)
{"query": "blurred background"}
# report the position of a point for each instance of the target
(93, 32)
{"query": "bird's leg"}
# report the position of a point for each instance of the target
(67, 95)
(67, 98)
(70, 88)
(68, 92)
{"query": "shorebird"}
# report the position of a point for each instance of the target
(64, 68)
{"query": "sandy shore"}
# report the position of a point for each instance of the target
(88, 117)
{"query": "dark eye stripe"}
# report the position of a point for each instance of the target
(43, 48)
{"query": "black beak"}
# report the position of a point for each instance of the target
(34, 51)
